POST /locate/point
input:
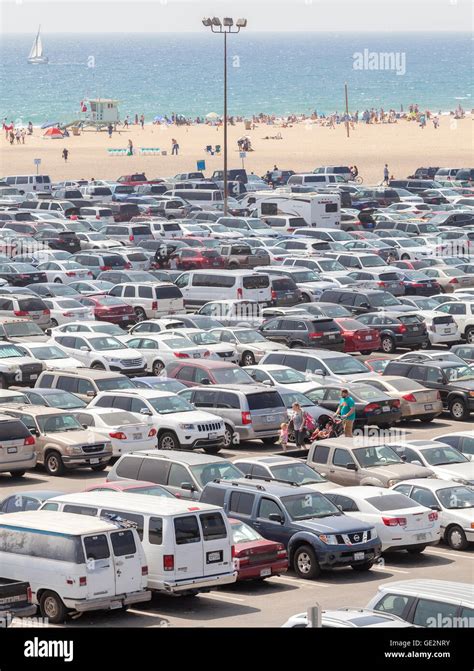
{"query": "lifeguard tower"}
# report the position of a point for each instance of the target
(96, 113)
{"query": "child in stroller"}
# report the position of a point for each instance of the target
(332, 429)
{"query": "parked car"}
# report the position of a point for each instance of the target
(192, 373)
(397, 329)
(320, 365)
(281, 377)
(416, 401)
(84, 383)
(161, 349)
(256, 558)
(21, 274)
(283, 469)
(444, 461)
(18, 446)
(102, 352)
(29, 500)
(358, 337)
(149, 300)
(302, 332)
(347, 618)
(53, 398)
(19, 329)
(110, 309)
(52, 356)
(463, 441)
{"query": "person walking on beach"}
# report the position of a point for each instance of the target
(346, 411)
(130, 148)
(30, 128)
(23, 135)
(12, 137)
(142, 121)
(110, 129)
(174, 147)
(436, 122)
(65, 154)
(18, 135)
(386, 175)
(125, 123)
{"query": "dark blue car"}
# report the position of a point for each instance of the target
(315, 532)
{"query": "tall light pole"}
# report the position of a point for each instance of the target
(224, 27)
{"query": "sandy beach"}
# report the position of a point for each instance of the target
(403, 145)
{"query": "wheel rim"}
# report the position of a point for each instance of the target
(157, 367)
(248, 360)
(470, 337)
(456, 538)
(51, 608)
(53, 463)
(457, 409)
(304, 563)
(168, 443)
(140, 314)
(227, 438)
(386, 345)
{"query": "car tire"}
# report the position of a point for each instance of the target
(53, 463)
(98, 366)
(405, 257)
(459, 410)
(17, 474)
(140, 314)
(428, 418)
(248, 359)
(416, 549)
(168, 441)
(305, 563)
(52, 607)
(295, 344)
(157, 368)
(54, 323)
(99, 467)
(469, 334)
(365, 566)
(270, 441)
(228, 436)
(212, 450)
(3, 382)
(388, 344)
(456, 538)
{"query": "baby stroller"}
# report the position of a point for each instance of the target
(309, 425)
(332, 429)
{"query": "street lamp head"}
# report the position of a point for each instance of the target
(216, 22)
(241, 23)
(228, 21)
(206, 22)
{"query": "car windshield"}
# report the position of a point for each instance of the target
(120, 382)
(345, 365)
(203, 338)
(57, 423)
(425, 303)
(232, 376)
(300, 473)
(221, 470)
(378, 365)
(249, 336)
(307, 506)
(287, 376)
(441, 456)
(63, 400)
(242, 533)
(306, 276)
(456, 497)
(165, 405)
(379, 455)
(9, 351)
(46, 352)
(110, 329)
(454, 373)
(103, 343)
(330, 266)
(384, 299)
(22, 329)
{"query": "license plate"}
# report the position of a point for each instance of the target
(265, 571)
(35, 316)
(420, 537)
(428, 406)
(385, 409)
(447, 330)
(331, 337)
(12, 450)
(213, 435)
(33, 377)
(196, 355)
(94, 461)
(368, 337)
(35, 277)
(269, 418)
(358, 556)
(137, 436)
(213, 557)
(416, 328)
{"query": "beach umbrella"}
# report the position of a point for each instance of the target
(159, 118)
(50, 124)
(212, 115)
(53, 134)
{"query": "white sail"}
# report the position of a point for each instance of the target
(36, 52)
(39, 46)
(33, 53)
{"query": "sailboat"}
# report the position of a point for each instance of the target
(36, 54)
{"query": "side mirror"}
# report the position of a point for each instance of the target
(188, 486)
(145, 411)
(84, 348)
(319, 371)
(276, 517)
(90, 394)
(268, 383)
(351, 467)
(403, 457)
(205, 380)
(84, 426)
(35, 432)
(435, 507)
(416, 462)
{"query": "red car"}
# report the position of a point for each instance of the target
(255, 557)
(133, 487)
(357, 336)
(404, 265)
(193, 373)
(110, 309)
(136, 179)
(197, 258)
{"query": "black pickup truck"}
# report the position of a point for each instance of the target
(15, 601)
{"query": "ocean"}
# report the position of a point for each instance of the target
(278, 73)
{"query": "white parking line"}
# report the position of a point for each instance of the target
(446, 553)
(389, 569)
(145, 612)
(220, 597)
(303, 583)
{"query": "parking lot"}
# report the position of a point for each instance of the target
(273, 601)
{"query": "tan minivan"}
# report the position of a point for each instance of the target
(17, 447)
(361, 461)
(61, 442)
(84, 382)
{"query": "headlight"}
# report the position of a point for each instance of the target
(329, 539)
(187, 427)
(391, 483)
(74, 450)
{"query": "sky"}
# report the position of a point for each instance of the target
(149, 16)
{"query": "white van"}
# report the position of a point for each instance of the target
(315, 208)
(310, 179)
(73, 563)
(28, 183)
(201, 286)
(205, 198)
(150, 300)
(188, 545)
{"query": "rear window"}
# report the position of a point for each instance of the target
(283, 284)
(213, 526)
(141, 230)
(410, 319)
(213, 495)
(389, 277)
(256, 282)
(186, 530)
(123, 543)
(263, 400)
(392, 502)
(168, 292)
(331, 207)
(96, 547)
(324, 325)
(443, 320)
(114, 261)
(128, 468)
(13, 430)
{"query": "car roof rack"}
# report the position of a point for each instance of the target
(266, 478)
(239, 484)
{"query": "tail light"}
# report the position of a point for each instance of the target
(118, 435)
(454, 281)
(410, 398)
(417, 285)
(71, 274)
(401, 328)
(97, 216)
(401, 284)
(281, 552)
(168, 562)
(240, 293)
(151, 433)
(89, 274)
(246, 418)
(438, 396)
(372, 407)
(243, 556)
(82, 581)
(154, 305)
(105, 268)
(181, 355)
(29, 440)
(144, 570)
(46, 312)
(232, 551)
(433, 516)
(316, 334)
(20, 313)
(131, 238)
(274, 295)
(29, 594)
(394, 521)
(68, 314)
(207, 353)
(381, 284)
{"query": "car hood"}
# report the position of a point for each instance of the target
(465, 515)
(36, 338)
(400, 471)
(341, 524)
(463, 384)
(322, 486)
(63, 364)
(302, 387)
(16, 361)
(319, 285)
(464, 470)
(125, 353)
(192, 417)
(79, 437)
(268, 346)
